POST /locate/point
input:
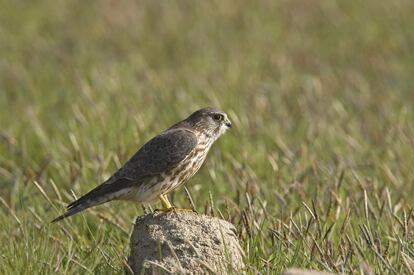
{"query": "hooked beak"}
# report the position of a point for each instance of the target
(227, 122)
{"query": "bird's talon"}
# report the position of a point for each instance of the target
(174, 209)
(169, 209)
(185, 210)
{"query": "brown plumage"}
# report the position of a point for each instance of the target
(162, 164)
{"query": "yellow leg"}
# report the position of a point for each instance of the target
(165, 203)
(167, 206)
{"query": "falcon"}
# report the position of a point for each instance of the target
(161, 165)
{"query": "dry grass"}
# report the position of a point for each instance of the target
(317, 172)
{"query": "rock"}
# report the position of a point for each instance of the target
(297, 271)
(184, 242)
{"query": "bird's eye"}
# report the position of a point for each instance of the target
(218, 117)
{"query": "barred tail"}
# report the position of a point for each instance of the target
(110, 190)
(80, 205)
(70, 212)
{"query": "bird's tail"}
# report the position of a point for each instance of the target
(72, 211)
(81, 204)
(105, 192)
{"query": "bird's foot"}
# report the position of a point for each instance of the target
(175, 209)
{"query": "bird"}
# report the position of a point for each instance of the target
(164, 163)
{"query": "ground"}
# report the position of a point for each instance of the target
(317, 171)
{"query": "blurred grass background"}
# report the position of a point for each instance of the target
(317, 171)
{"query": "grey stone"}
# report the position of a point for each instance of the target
(184, 242)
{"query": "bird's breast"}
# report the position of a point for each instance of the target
(187, 168)
(193, 162)
(169, 180)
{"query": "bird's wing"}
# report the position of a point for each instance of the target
(158, 155)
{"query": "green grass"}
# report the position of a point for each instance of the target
(318, 171)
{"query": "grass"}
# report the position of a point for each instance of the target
(316, 173)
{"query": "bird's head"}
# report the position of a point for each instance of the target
(210, 121)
